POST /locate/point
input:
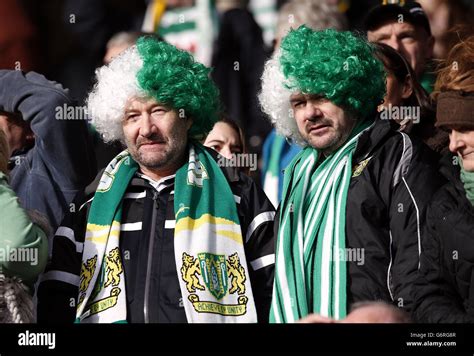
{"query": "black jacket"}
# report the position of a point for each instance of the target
(444, 292)
(393, 178)
(147, 249)
(385, 212)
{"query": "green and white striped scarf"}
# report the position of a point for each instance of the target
(310, 275)
(210, 259)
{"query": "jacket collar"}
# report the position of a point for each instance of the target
(373, 138)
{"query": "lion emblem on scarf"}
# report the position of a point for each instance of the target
(236, 273)
(190, 272)
(113, 267)
(87, 271)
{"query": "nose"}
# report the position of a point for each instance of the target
(456, 141)
(226, 152)
(312, 111)
(147, 127)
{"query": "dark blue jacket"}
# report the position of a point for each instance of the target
(61, 163)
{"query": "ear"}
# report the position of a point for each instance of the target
(189, 123)
(407, 87)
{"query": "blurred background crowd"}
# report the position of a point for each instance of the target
(67, 40)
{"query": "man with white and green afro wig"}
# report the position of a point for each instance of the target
(168, 234)
(336, 65)
(351, 218)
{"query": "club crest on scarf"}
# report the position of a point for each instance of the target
(111, 271)
(221, 276)
(87, 271)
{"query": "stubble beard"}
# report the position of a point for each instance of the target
(171, 154)
(333, 143)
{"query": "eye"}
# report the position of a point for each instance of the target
(216, 147)
(131, 117)
(408, 37)
(159, 110)
(299, 104)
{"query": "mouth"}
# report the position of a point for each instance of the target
(151, 144)
(467, 155)
(318, 129)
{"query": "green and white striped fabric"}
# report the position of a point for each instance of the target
(271, 183)
(191, 28)
(265, 13)
(310, 273)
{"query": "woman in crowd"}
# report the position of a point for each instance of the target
(445, 289)
(227, 138)
(406, 102)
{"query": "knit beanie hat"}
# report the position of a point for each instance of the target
(455, 108)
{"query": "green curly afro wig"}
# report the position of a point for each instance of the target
(172, 77)
(338, 65)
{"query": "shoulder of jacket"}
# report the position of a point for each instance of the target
(448, 199)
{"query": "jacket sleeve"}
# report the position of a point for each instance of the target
(256, 215)
(61, 136)
(20, 235)
(415, 180)
(435, 296)
(59, 285)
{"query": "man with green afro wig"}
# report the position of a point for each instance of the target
(170, 232)
(350, 224)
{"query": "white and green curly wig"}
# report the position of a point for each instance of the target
(338, 65)
(158, 70)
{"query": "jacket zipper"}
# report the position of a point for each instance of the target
(150, 257)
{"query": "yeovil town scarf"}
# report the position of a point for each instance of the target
(310, 271)
(209, 253)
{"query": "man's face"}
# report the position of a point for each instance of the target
(155, 135)
(323, 125)
(412, 42)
